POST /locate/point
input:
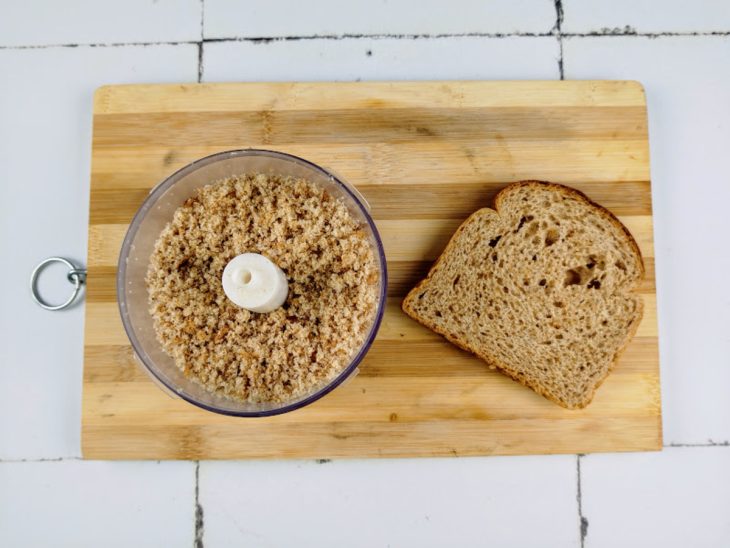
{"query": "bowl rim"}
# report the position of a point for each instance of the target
(131, 233)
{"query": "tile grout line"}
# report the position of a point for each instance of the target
(558, 30)
(46, 459)
(199, 527)
(561, 61)
(708, 444)
(202, 39)
(202, 20)
(200, 62)
(629, 31)
(103, 45)
(385, 36)
(268, 39)
(582, 520)
(626, 31)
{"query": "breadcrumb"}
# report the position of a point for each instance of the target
(285, 354)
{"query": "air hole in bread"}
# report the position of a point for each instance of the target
(598, 261)
(542, 282)
(524, 219)
(558, 304)
(572, 277)
(493, 242)
(551, 237)
(594, 284)
(456, 280)
(620, 265)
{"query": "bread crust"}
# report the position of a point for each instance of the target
(491, 360)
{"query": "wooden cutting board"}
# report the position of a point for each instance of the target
(425, 155)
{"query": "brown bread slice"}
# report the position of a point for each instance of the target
(541, 287)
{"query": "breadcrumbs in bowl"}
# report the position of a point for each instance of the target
(272, 357)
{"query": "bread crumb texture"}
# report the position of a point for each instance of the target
(541, 288)
(285, 354)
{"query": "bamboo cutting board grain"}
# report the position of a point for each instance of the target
(425, 155)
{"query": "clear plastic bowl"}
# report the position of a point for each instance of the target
(158, 209)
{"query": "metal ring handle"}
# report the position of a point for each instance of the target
(77, 276)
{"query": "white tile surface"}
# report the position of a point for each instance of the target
(383, 59)
(677, 498)
(266, 18)
(37, 22)
(647, 16)
(45, 140)
(687, 81)
(76, 504)
(519, 502)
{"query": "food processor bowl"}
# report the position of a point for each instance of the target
(146, 226)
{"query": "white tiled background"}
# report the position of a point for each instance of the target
(54, 54)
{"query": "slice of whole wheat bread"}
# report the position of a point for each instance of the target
(541, 287)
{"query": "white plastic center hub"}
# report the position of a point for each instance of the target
(253, 282)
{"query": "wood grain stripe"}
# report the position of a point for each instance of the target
(382, 125)
(378, 402)
(282, 96)
(396, 326)
(403, 240)
(402, 277)
(463, 437)
(417, 163)
(424, 358)
(432, 201)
